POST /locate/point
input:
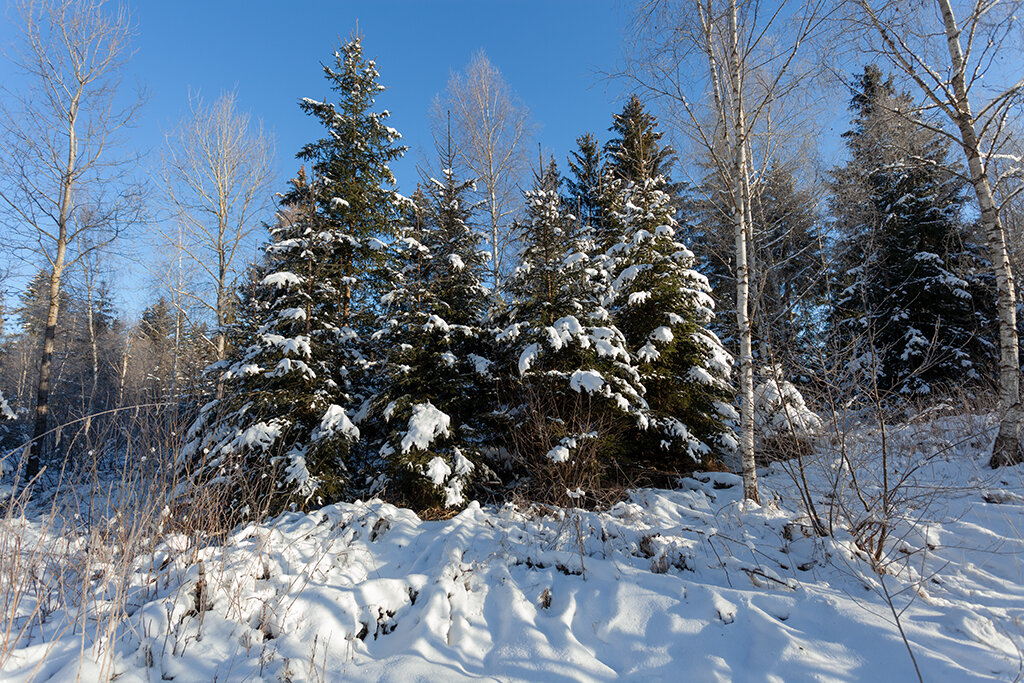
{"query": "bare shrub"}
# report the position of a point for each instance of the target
(564, 447)
(77, 546)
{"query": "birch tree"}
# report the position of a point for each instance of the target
(491, 129)
(61, 178)
(726, 68)
(964, 58)
(217, 173)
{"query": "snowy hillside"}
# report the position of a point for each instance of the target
(689, 584)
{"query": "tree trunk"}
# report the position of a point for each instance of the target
(123, 371)
(494, 235)
(1006, 449)
(35, 447)
(90, 406)
(739, 217)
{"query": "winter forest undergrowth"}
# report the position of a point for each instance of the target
(697, 403)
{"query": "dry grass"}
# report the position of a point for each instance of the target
(76, 544)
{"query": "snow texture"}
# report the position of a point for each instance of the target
(687, 584)
(335, 420)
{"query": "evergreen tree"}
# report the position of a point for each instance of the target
(437, 382)
(355, 189)
(157, 332)
(282, 422)
(574, 384)
(284, 425)
(663, 307)
(906, 305)
(586, 193)
(660, 303)
(636, 153)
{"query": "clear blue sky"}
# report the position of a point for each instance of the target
(551, 53)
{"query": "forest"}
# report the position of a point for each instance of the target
(702, 300)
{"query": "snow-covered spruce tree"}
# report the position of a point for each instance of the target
(356, 196)
(662, 305)
(573, 390)
(785, 425)
(284, 427)
(8, 436)
(908, 269)
(436, 383)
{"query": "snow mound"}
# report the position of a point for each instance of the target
(688, 584)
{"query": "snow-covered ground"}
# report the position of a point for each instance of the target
(689, 584)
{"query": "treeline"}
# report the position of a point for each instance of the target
(626, 327)
(373, 354)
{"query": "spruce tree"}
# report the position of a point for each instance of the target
(436, 374)
(662, 305)
(664, 308)
(575, 390)
(586, 194)
(284, 426)
(355, 189)
(637, 153)
(906, 304)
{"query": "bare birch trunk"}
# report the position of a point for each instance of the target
(39, 429)
(1006, 450)
(750, 491)
(90, 405)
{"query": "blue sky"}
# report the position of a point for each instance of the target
(549, 52)
(552, 54)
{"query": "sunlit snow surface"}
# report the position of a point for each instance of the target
(688, 584)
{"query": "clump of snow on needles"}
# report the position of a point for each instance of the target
(426, 424)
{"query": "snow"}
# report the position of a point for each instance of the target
(648, 353)
(5, 409)
(438, 470)
(662, 334)
(435, 322)
(261, 435)
(780, 410)
(480, 364)
(667, 585)
(281, 279)
(456, 261)
(559, 453)
(426, 424)
(527, 357)
(586, 380)
(336, 420)
(289, 346)
(637, 298)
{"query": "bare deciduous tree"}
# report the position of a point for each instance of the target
(217, 170)
(62, 184)
(491, 132)
(725, 67)
(957, 54)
